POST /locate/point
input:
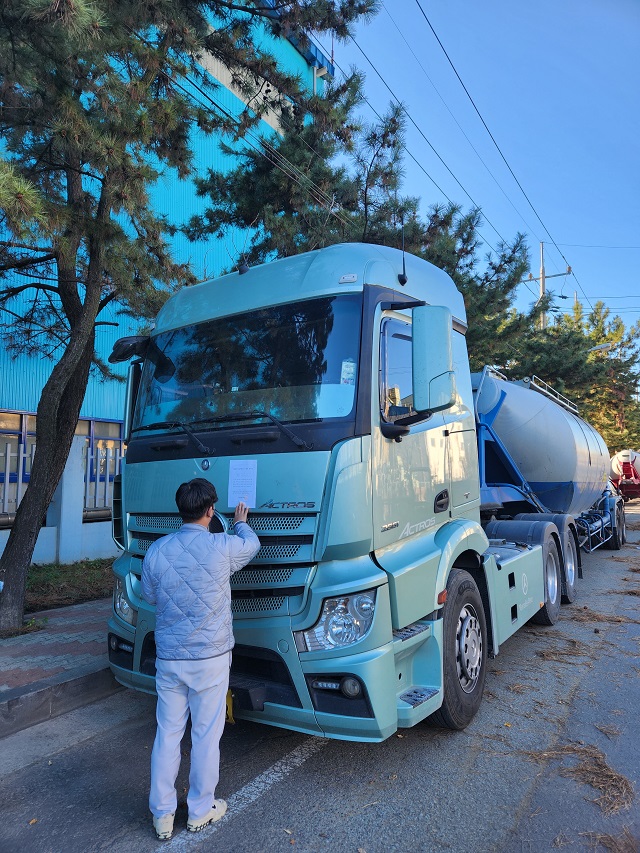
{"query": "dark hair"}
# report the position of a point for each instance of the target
(194, 498)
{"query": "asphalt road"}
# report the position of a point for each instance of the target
(551, 761)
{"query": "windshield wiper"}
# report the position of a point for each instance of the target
(257, 413)
(180, 425)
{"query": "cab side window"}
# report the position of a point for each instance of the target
(396, 374)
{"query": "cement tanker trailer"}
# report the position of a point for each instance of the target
(538, 461)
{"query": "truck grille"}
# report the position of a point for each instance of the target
(277, 578)
(268, 604)
(251, 577)
(258, 522)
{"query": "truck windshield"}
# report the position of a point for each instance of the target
(298, 362)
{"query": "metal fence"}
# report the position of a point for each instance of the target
(100, 464)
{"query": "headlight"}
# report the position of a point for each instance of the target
(343, 621)
(121, 603)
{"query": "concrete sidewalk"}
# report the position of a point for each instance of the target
(56, 669)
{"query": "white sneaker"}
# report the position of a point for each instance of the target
(218, 810)
(163, 826)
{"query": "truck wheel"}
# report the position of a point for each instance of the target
(548, 614)
(570, 570)
(464, 652)
(619, 533)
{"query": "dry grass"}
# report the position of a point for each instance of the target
(609, 731)
(54, 585)
(586, 614)
(519, 688)
(566, 654)
(616, 791)
(634, 561)
(624, 843)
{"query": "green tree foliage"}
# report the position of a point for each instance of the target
(96, 101)
(330, 180)
(602, 382)
(489, 283)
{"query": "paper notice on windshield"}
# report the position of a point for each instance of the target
(243, 474)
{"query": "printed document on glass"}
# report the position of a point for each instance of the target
(243, 474)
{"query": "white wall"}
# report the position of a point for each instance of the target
(65, 538)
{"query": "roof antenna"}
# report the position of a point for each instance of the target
(402, 277)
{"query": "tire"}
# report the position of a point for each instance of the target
(464, 653)
(569, 548)
(548, 614)
(618, 534)
(569, 591)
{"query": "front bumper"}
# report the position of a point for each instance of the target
(274, 684)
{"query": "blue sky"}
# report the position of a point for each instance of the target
(557, 83)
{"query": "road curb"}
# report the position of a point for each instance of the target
(25, 706)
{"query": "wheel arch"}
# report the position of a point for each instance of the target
(461, 543)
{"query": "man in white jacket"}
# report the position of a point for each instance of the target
(186, 576)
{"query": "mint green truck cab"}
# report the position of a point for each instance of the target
(332, 389)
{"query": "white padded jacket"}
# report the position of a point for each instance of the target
(186, 576)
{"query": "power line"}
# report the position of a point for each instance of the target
(423, 135)
(587, 246)
(264, 148)
(416, 161)
(261, 145)
(473, 103)
(407, 151)
(460, 128)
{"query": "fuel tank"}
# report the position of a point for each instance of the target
(563, 458)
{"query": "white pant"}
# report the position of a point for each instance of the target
(199, 687)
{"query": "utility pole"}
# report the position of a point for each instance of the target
(543, 316)
(543, 279)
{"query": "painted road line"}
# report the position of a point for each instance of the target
(252, 791)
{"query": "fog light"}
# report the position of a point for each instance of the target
(113, 643)
(325, 685)
(351, 687)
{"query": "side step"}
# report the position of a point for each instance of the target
(417, 695)
(417, 703)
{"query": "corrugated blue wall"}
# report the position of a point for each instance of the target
(22, 378)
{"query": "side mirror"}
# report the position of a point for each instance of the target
(133, 384)
(434, 387)
(126, 348)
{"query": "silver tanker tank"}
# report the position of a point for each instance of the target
(563, 458)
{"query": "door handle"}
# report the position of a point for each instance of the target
(441, 502)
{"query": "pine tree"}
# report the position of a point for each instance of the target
(96, 100)
(320, 182)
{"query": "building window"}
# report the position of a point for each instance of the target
(104, 449)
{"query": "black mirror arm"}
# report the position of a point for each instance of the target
(394, 431)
